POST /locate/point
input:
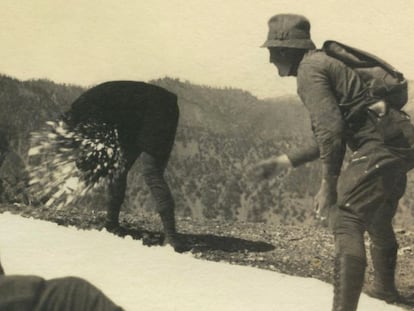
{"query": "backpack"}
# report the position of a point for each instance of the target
(383, 80)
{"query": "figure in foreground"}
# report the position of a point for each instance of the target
(346, 111)
(33, 293)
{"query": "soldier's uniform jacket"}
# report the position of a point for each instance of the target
(338, 103)
(145, 115)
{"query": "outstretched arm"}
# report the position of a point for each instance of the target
(278, 164)
(271, 166)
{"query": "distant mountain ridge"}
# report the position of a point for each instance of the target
(235, 111)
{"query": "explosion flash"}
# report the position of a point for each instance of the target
(65, 164)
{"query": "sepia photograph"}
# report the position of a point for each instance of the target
(206, 155)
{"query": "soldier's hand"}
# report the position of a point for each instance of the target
(270, 167)
(1, 270)
(324, 200)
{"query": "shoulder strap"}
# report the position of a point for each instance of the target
(357, 58)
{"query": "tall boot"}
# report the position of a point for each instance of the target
(348, 281)
(168, 222)
(116, 198)
(112, 220)
(171, 236)
(384, 261)
(112, 215)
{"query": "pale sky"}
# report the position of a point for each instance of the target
(209, 42)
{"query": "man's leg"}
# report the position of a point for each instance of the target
(72, 293)
(359, 195)
(384, 261)
(117, 188)
(384, 246)
(383, 249)
(153, 172)
(362, 198)
(350, 261)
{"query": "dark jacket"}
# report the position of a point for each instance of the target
(145, 115)
(20, 293)
(33, 293)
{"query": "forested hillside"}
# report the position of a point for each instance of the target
(221, 133)
(26, 105)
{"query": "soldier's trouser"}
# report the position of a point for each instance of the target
(71, 293)
(153, 172)
(366, 202)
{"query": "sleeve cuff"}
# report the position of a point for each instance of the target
(302, 156)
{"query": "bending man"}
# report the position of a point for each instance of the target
(146, 118)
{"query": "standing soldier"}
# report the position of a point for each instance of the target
(345, 112)
(146, 118)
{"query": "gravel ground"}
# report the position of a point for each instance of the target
(295, 250)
